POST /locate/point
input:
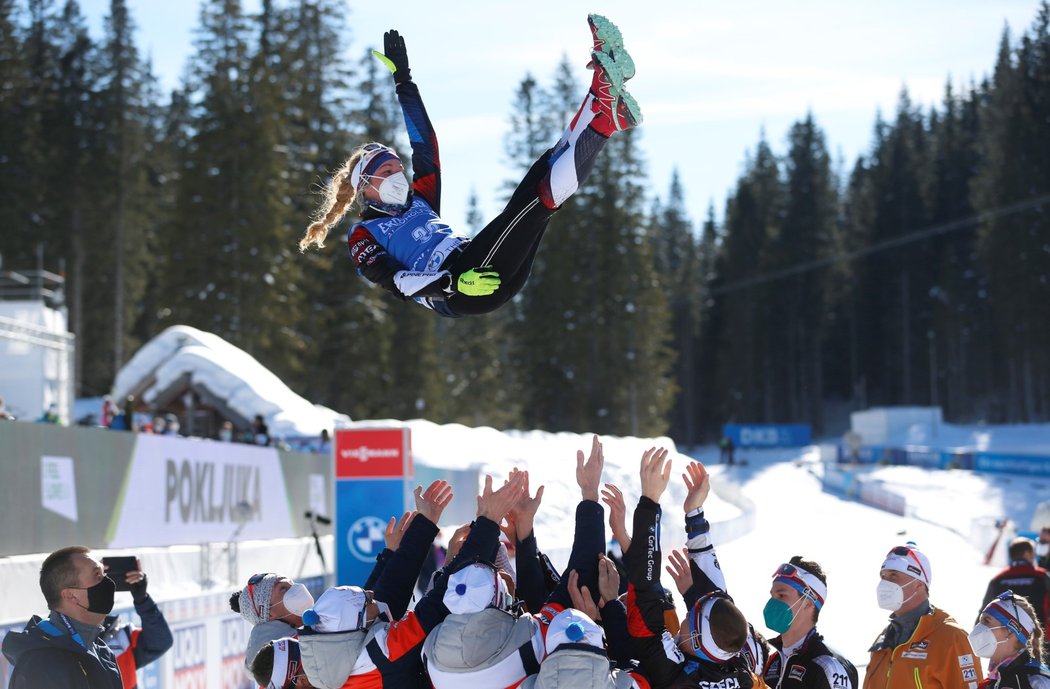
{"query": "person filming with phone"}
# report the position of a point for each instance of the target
(68, 649)
(134, 647)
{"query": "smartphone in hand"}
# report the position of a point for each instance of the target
(117, 569)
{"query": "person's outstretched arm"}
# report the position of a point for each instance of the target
(426, 165)
(481, 543)
(155, 638)
(589, 539)
(650, 642)
(530, 584)
(398, 580)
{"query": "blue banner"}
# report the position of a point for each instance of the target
(363, 508)
(767, 435)
(1031, 465)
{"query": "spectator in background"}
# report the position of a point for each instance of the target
(50, 415)
(66, 650)
(1024, 578)
(325, 446)
(226, 432)
(171, 424)
(727, 447)
(158, 425)
(1042, 547)
(260, 431)
(922, 646)
(4, 415)
(136, 647)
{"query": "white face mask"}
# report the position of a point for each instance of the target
(891, 595)
(394, 189)
(1042, 549)
(297, 599)
(983, 641)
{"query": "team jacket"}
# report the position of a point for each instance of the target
(45, 656)
(1023, 672)
(387, 654)
(404, 253)
(662, 662)
(137, 647)
(812, 666)
(937, 654)
(1026, 580)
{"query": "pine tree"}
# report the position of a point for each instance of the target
(15, 119)
(1012, 245)
(677, 262)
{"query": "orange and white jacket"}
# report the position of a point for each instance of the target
(936, 656)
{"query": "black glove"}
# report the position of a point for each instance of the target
(395, 51)
(138, 589)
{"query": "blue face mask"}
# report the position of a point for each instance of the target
(778, 615)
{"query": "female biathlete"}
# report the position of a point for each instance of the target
(400, 241)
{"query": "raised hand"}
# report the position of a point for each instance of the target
(456, 542)
(612, 497)
(608, 580)
(655, 472)
(678, 568)
(395, 530)
(523, 514)
(589, 473)
(698, 484)
(432, 502)
(494, 505)
(581, 597)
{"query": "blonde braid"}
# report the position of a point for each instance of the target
(1035, 641)
(339, 196)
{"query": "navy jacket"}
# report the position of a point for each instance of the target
(47, 657)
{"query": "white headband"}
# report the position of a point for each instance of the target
(362, 164)
(279, 674)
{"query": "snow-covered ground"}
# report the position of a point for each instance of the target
(792, 515)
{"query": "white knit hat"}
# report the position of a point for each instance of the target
(254, 600)
(474, 588)
(573, 627)
(339, 609)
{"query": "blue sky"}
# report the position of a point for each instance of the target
(711, 75)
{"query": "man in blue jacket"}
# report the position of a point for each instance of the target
(66, 651)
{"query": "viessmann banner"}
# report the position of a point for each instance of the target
(200, 492)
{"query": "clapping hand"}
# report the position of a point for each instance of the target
(432, 502)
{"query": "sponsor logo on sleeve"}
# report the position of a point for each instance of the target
(796, 672)
(965, 660)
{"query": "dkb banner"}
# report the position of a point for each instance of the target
(373, 482)
(767, 435)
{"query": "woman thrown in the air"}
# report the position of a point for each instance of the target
(400, 241)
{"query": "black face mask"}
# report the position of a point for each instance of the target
(100, 596)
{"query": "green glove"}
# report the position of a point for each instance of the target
(478, 282)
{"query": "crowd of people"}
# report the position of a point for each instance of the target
(495, 614)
